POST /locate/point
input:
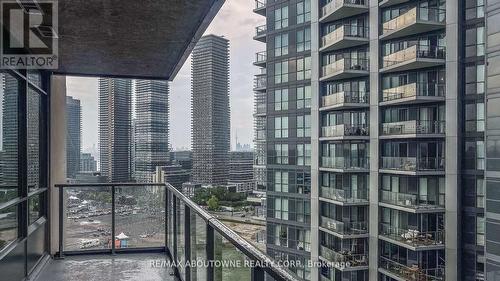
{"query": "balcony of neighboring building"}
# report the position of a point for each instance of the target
(409, 272)
(260, 33)
(338, 9)
(345, 100)
(345, 68)
(345, 131)
(343, 260)
(260, 82)
(413, 129)
(344, 229)
(345, 36)
(410, 202)
(415, 20)
(344, 197)
(260, 7)
(344, 164)
(414, 57)
(414, 93)
(413, 238)
(260, 59)
(387, 3)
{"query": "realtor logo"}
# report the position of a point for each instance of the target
(29, 34)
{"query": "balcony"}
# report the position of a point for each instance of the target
(344, 37)
(125, 219)
(414, 93)
(344, 229)
(260, 7)
(344, 260)
(260, 82)
(260, 59)
(344, 164)
(345, 131)
(413, 129)
(260, 33)
(414, 57)
(414, 21)
(260, 109)
(413, 203)
(345, 100)
(338, 9)
(388, 3)
(344, 197)
(414, 272)
(413, 165)
(345, 68)
(413, 239)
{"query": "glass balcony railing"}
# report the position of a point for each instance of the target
(259, 4)
(344, 130)
(414, 201)
(260, 109)
(344, 163)
(339, 98)
(413, 272)
(412, 16)
(260, 81)
(260, 30)
(414, 127)
(334, 5)
(413, 163)
(344, 259)
(414, 52)
(345, 228)
(260, 57)
(345, 64)
(127, 217)
(414, 90)
(345, 196)
(413, 237)
(342, 32)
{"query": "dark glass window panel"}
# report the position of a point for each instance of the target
(8, 226)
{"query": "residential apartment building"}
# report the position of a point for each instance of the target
(210, 110)
(87, 163)
(400, 165)
(151, 128)
(73, 138)
(283, 128)
(241, 171)
(115, 132)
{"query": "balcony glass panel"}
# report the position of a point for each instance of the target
(409, 200)
(261, 57)
(411, 17)
(414, 90)
(226, 251)
(344, 31)
(180, 236)
(335, 4)
(344, 227)
(344, 163)
(415, 52)
(88, 218)
(8, 226)
(198, 245)
(341, 195)
(413, 163)
(345, 130)
(413, 272)
(416, 127)
(345, 97)
(260, 4)
(413, 237)
(344, 259)
(260, 81)
(345, 64)
(260, 30)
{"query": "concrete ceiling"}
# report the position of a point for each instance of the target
(148, 39)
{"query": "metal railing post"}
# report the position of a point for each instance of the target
(210, 252)
(258, 274)
(113, 219)
(167, 201)
(187, 240)
(61, 222)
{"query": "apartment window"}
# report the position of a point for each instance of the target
(280, 181)
(281, 72)
(303, 154)
(303, 11)
(281, 99)
(474, 9)
(474, 41)
(474, 79)
(303, 126)
(281, 127)
(303, 182)
(480, 231)
(281, 18)
(304, 40)
(480, 193)
(281, 153)
(281, 45)
(303, 97)
(474, 117)
(281, 208)
(304, 68)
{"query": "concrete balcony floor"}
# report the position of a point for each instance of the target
(120, 267)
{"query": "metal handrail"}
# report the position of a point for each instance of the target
(265, 264)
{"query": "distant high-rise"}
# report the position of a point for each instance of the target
(115, 106)
(73, 136)
(87, 163)
(151, 128)
(210, 110)
(9, 130)
(241, 170)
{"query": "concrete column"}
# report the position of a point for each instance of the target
(315, 129)
(57, 153)
(374, 142)
(452, 154)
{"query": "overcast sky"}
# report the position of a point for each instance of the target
(235, 21)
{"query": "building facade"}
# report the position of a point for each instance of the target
(151, 128)
(87, 163)
(73, 136)
(241, 171)
(210, 110)
(115, 133)
(283, 128)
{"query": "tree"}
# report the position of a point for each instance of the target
(213, 203)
